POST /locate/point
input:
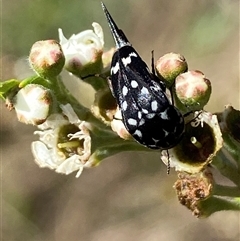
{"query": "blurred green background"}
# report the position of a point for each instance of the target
(129, 196)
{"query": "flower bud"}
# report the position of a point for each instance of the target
(118, 126)
(83, 51)
(192, 90)
(201, 141)
(33, 104)
(46, 58)
(170, 66)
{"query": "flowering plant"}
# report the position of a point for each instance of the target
(73, 137)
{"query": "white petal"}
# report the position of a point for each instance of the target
(62, 38)
(47, 137)
(71, 115)
(83, 47)
(99, 32)
(43, 156)
(70, 165)
(81, 37)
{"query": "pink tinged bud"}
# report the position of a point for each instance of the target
(193, 90)
(46, 58)
(170, 66)
(33, 104)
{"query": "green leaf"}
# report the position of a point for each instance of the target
(7, 86)
(34, 80)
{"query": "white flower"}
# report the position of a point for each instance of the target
(82, 48)
(58, 148)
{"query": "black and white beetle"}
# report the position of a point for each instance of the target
(147, 113)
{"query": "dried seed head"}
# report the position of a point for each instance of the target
(193, 188)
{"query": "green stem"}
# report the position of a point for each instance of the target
(105, 143)
(104, 138)
(214, 204)
(228, 191)
(106, 151)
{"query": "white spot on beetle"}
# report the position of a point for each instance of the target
(166, 133)
(124, 105)
(124, 90)
(145, 111)
(115, 68)
(133, 54)
(150, 116)
(138, 133)
(164, 115)
(134, 84)
(154, 105)
(128, 60)
(132, 122)
(155, 140)
(144, 91)
(142, 121)
(153, 146)
(139, 114)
